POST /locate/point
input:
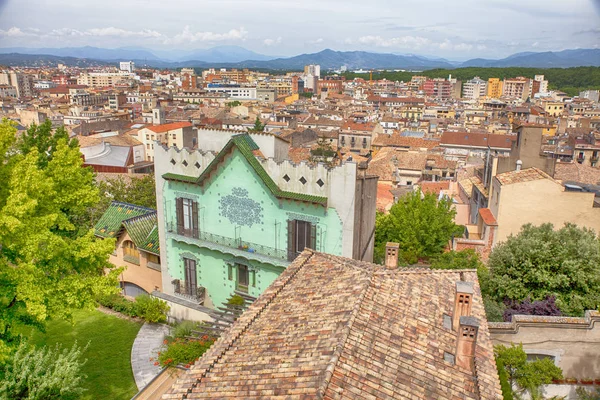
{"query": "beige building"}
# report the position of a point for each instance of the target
(531, 196)
(519, 87)
(178, 134)
(102, 79)
(137, 247)
(572, 343)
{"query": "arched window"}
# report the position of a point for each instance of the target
(129, 249)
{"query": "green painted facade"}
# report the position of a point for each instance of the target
(241, 220)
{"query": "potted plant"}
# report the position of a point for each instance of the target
(571, 381)
(586, 381)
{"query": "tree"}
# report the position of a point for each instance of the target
(516, 373)
(540, 262)
(258, 126)
(48, 267)
(527, 307)
(139, 190)
(41, 374)
(234, 103)
(420, 223)
(44, 140)
(464, 259)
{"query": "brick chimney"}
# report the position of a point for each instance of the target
(391, 255)
(466, 343)
(462, 302)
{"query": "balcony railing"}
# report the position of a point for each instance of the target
(186, 291)
(236, 243)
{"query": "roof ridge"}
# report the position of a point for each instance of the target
(132, 219)
(269, 299)
(340, 345)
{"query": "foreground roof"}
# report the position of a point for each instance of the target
(140, 222)
(335, 328)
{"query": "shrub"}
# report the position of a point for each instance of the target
(44, 373)
(584, 394)
(151, 309)
(148, 308)
(236, 300)
(184, 351)
(546, 307)
(184, 329)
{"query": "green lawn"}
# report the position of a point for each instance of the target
(108, 368)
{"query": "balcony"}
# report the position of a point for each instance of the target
(580, 158)
(192, 293)
(235, 246)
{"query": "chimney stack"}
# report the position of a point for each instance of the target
(391, 255)
(466, 343)
(462, 302)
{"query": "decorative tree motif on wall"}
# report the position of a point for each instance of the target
(239, 209)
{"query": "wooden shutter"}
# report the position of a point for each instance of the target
(195, 219)
(291, 239)
(179, 215)
(313, 237)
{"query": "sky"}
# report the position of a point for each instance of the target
(455, 30)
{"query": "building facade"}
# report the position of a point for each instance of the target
(233, 220)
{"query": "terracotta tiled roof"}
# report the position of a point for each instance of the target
(577, 172)
(477, 140)
(524, 175)
(396, 140)
(335, 328)
(298, 154)
(487, 217)
(168, 127)
(434, 187)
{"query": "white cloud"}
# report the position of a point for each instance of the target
(481, 47)
(271, 42)
(403, 41)
(316, 41)
(188, 36)
(16, 32)
(112, 31)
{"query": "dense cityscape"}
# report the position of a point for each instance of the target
(333, 231)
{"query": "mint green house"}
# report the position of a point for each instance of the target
(233, 219)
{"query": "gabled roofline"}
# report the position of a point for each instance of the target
(246, 146)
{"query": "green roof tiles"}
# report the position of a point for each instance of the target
(143, 230)
(246, 146)
(140, 223)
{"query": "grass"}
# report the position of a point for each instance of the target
(108, 368)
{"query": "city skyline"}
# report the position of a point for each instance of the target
(493, 30)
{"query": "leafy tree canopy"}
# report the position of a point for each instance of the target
(540, 262)
(139, 190)
(420, 223)
(234, 103)
(48, 267)
(527, 376)
(258, 126)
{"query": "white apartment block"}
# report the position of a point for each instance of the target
(128, 66)
(475, 88)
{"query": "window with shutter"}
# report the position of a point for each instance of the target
(187, 217)
(301, 234)
(191, 285)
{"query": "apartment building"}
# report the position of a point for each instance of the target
(494, 88)
(519, 87)
(102, 79)
(178, 134)
(475, 88)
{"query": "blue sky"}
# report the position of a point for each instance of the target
(457, 29)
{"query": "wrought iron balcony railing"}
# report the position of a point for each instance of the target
(236, 243)
(190, 292)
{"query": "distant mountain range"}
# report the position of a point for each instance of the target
(239, 57)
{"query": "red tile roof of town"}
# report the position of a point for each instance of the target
(524, 175)
(168, 127)
(487, 217)
(477, 139)
(434, 187)
(335, 328)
